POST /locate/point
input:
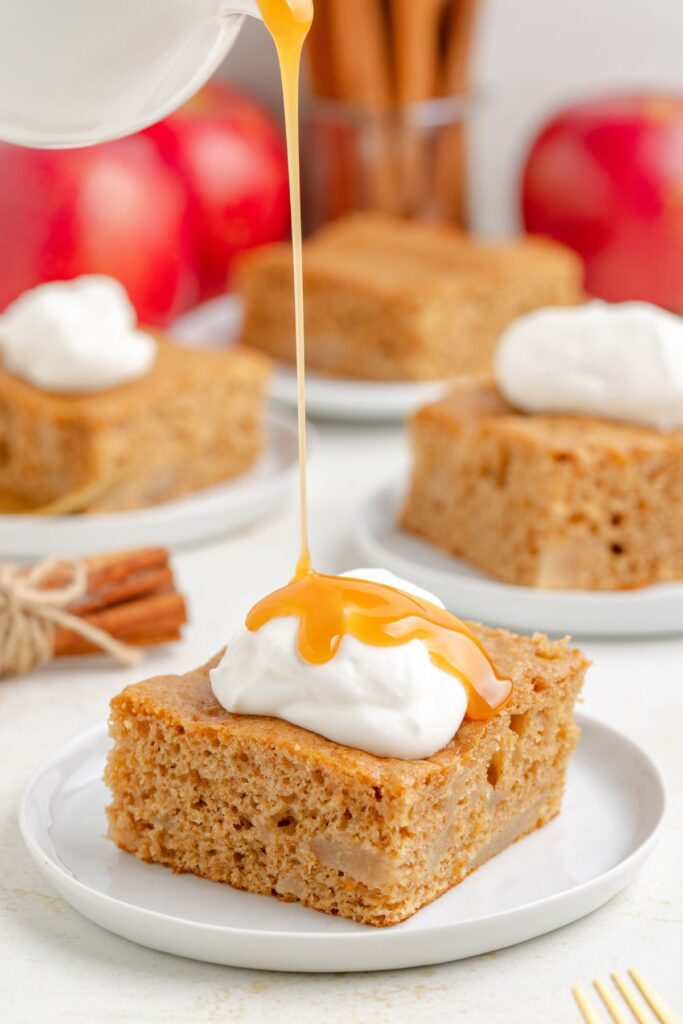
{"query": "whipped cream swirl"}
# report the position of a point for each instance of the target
(75, 336)
(388, 701)
(617, 361)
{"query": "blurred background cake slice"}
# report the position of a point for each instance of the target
(98, 414)
(195, 420)
(574, 479)
(389, 299)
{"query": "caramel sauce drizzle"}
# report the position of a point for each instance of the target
(289, 27)
(331, 607)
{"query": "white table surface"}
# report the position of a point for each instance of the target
(57, 967)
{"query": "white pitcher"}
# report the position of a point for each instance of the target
(76, 72)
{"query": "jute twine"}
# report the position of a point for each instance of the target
(31, 611)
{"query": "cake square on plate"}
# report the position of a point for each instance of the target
(389, 299)
(274, 809)
(195, 419)
(554, 501)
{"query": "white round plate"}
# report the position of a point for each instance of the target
(218, 322)
(612, 811)
(358, 401)
(206, 513)
(470, 593)
(212, 324)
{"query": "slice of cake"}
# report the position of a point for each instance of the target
(390, 299)
(546, 500)
(195, 419)
(271, 808)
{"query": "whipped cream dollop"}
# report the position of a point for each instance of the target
(618, 361)
(388, 701)
(75, 336)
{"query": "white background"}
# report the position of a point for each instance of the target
(531, 57)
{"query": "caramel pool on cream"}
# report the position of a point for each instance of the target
(331, 607)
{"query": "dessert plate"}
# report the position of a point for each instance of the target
(205, 513)
(218, 322)
(470, 593)
(358, 401)
(613, 809)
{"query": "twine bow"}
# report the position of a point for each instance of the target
(30, 612)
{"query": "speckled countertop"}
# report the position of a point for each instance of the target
(55, 966)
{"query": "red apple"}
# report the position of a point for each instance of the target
(606, 178)
(231, 156)
(109, 209)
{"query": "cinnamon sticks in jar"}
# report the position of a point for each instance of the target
(390, 78)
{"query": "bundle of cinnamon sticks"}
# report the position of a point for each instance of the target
(384, 57)
(132, 596)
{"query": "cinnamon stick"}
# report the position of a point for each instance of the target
(459, 44)
(160, 610)
(333, 174)
(360, 52)
(415, 30)
(319, 54)
(115, 566)
(78, 646)
(450, 183)
(159, 614)
(361, 61)
(130, 595)
(136, 586)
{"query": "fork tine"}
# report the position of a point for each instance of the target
(587, 1011)
(635, 1007)
(664, 1014)
(609, 1002)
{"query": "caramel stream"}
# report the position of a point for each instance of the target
(289, 27)
(330, 607)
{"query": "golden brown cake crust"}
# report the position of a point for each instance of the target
(389, 299)
(549, 501)
(193, 420)
(275, 809)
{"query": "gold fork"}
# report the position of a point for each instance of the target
(637, 1008)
